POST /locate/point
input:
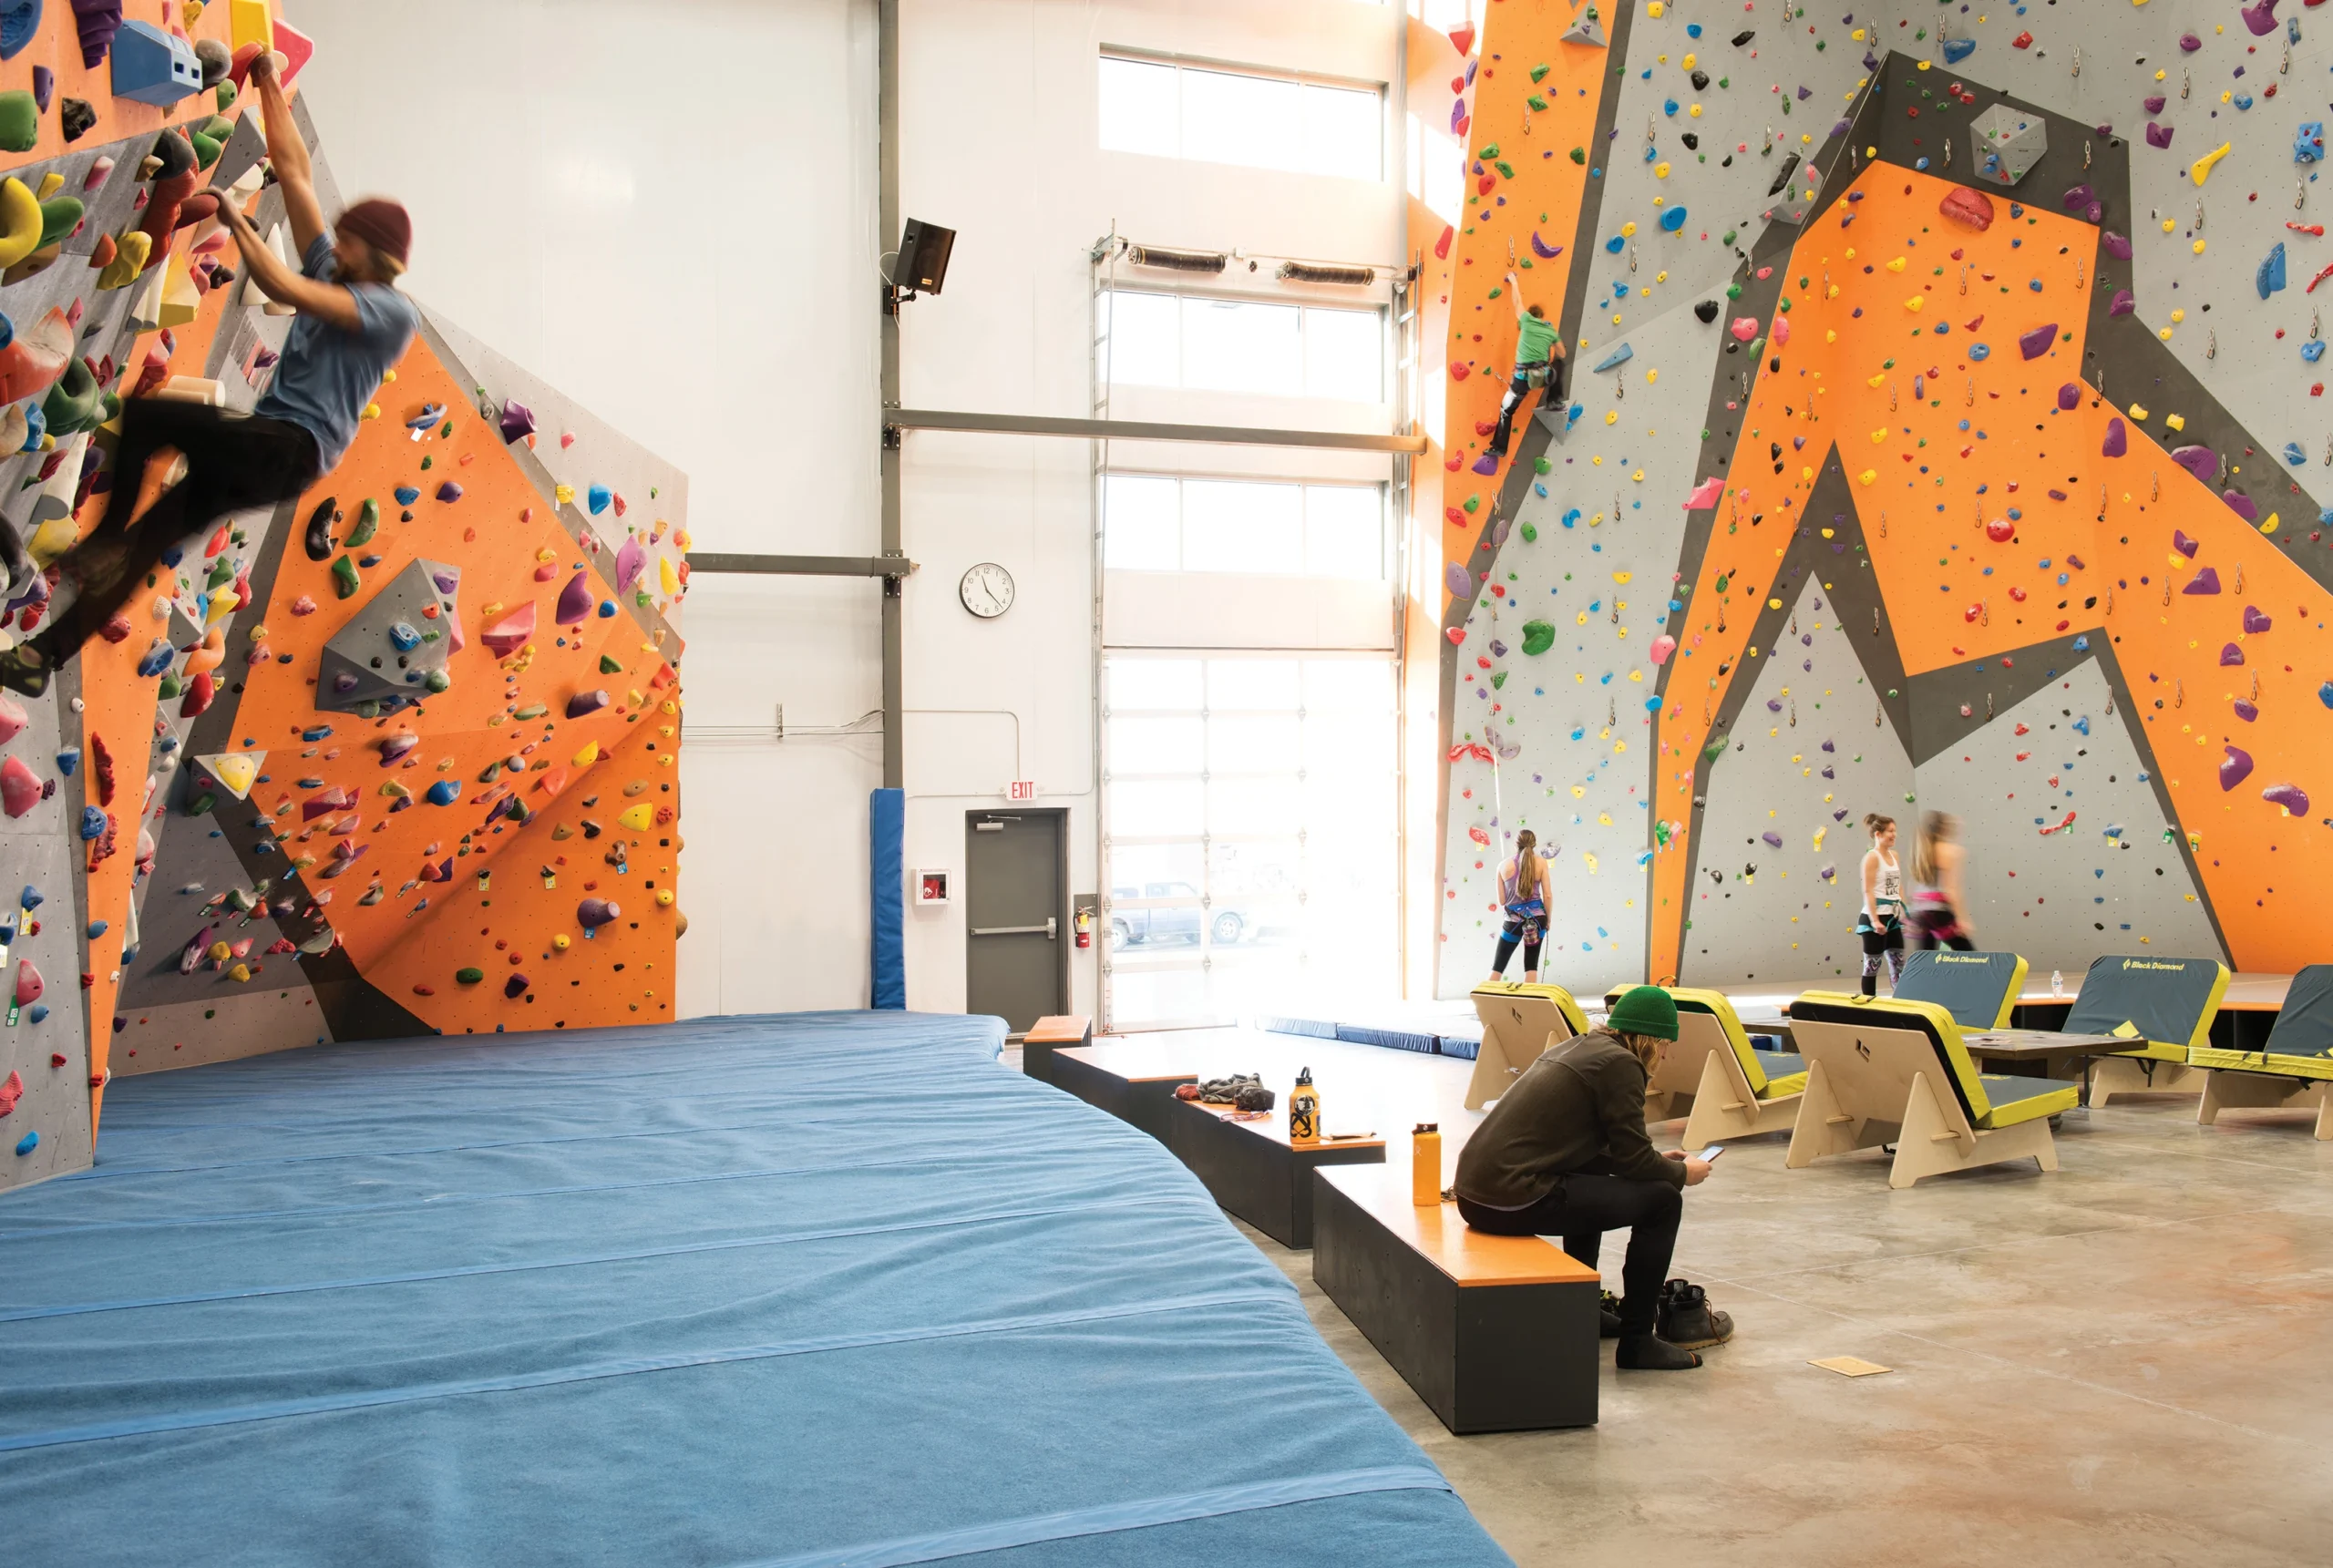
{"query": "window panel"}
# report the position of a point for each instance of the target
(1151, 745)
(1239, 345)
(1344, 132)
(1358, 685)
(1142, 523)
(1344, 355)
(1157, 808)
(1344, 531)
(1140, 108)
(1145, 336)
(1252, 805)
(1254, 743)
(1231, 525)
(1251, 685)
(1231, 118)
(1167, 684)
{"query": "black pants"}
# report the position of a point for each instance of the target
(1506, 951)
(1517, 389)
(1941, 928)
(1885, 943)
(234, 462)
(1581, 1210)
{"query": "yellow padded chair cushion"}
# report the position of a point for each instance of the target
(1566, 1004)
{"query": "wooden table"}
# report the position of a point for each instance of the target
(1048, 1035)
(2055, 1055)
(1496, 1333)
(1251, 1168)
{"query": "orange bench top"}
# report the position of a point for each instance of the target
(1467, 1255)
(1143, 1063)
(1070, 1027)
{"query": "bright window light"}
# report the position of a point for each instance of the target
(1209, 345)
(1160, 523)
(1256, 120)
(1142, 523)
(1230, 525)
(1344, 355)
(1239, 345)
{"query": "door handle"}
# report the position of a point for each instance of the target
(1051, 929)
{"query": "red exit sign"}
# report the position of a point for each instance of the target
(1021, 789)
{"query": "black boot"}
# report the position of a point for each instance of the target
(1687, 1318)
(1651, 1353)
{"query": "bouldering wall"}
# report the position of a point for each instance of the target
(1975, 339)
(393, 759)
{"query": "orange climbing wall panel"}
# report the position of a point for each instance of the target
(1926, 488)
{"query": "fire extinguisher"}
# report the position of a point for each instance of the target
(1085, 928)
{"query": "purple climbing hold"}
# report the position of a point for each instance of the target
(2158, 135)
(43, 87)
(630, 561)
(1487, 465)
(2253, 621)
(574, 602)
(2236, 768)
(2183, 545)
(394, 748)
(2079, 196)
(583, 704)
(2292, 797)
(2189, 43)
(2069, 396)
(2036, 343)
(2260, 17)
(2155, 104)
(1773, 839)
(98, 21)
(2123, 304)
(1541, 249)
(2245, 710)
(518, 421)
(2230, 654)
(593, 913)
(515, 987)
(1773, 704)
(2118, 439)
(1458, 581)
(2200, 461)
(2206, 581)
(2115, 245)
(449, 491)
(2242, 504)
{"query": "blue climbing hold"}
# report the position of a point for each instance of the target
(2313, 350)
(2271, 274)
(1613, 245)
(27, 1143)
(39, 1010)
(2294, 454)
(1959, 49)
(96, 929)
(606, 608)
(30, 898)
(406, 495)
(2082, 726)
(445, 792)
(19, 23)
(67, 760)
(1620, 356)
(601, 496)
(403, 638)
(2325, 693)
(2308, 142)
(158, 657)
(93, 822)
(1672, 221)
(2081, 644)
(1980, 351)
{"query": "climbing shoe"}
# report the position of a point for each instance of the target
(1687, 1318)
(24, 670)
(1651, 1353)
(1608, 1315)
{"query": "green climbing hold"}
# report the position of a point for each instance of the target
(75, 401)
(1732, 291)
(169, 686)
(1488, 153)
(1495, 293)
(368, 522)
(1505, 170)
(345, 581)
(1530, 533)
(437, 681)
(1540, 73)
(19, 121)
(1539, 636)
(1474, 503)
(469, 976)
(1537, 104)
(1783, 305)
(532, 710)
(1579, 155)
(201, 803)
(206, 151)
(446, 430)
(609, 666)
(59, 215)
(223, 572)
(1715, 749)
(1728, 240)
(428, 463)
(1498, 680)
(1543, 465)
(226, 96)
(489, 773)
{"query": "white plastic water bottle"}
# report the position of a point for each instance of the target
(2057, 982)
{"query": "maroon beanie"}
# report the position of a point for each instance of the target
(382, 224)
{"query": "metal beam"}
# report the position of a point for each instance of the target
(801, 566)
(898, 419)
(886, 233)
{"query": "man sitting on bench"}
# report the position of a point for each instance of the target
(1564, 1152)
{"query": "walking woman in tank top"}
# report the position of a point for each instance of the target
(1882, 926)
(1523, 895)
(1939, 901)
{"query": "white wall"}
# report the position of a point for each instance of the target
(676, 223)
(998, 132)
(670, 213)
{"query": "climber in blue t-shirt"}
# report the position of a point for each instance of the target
(351, 326)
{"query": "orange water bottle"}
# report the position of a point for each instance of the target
(1425, 1165)
(1304, 1110)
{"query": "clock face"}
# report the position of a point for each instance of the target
(987, 591)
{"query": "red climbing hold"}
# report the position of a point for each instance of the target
(10, 1092)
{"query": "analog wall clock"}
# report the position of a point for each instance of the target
(987, 591)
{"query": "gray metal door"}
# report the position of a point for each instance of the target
(1016, 915)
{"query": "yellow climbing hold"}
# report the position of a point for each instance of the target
(2137, 411)
(2179, 315)
(1879, 435)
(1916, 302)
(1867, 476)
(588, 755)
(2269, 524)
(669, 578)
(2196, 248)
(50, 184)
(566, 494)
(2175, 421)
(1897, 265)
(639, 818)
(1661, 170)
(1628, 231)
(236, 770)
(2202, 167)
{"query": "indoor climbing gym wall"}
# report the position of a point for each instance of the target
(1944, 433)
(395, 759)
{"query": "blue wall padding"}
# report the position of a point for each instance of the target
(887, 826)
(807, 1288)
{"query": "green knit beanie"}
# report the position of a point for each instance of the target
(1646, 1010)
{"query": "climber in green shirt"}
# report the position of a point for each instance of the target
(1538, 360)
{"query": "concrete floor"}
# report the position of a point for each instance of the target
(2127, 1361)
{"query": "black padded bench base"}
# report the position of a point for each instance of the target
(1251, 1169)
(1116, 1079)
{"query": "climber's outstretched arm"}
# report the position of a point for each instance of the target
(288, 156)
(327, 302)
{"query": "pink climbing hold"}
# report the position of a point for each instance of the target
(28, 983)
(2292, 797)
(13, 719)
(10, 1092)
(574, 600)
(511, 633)
(630, 560)
(566, 439)
(1744, 328)
(20, 787)
(593, 913)
(2036, 343)
(1662, 647)
(1706, 494)
(1782, 331)
(297, 47)
(2115, 245)
(2236, 768)
(2118, 437)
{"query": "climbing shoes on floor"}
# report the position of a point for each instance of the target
(1688, 1320)
(1608, 1315)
